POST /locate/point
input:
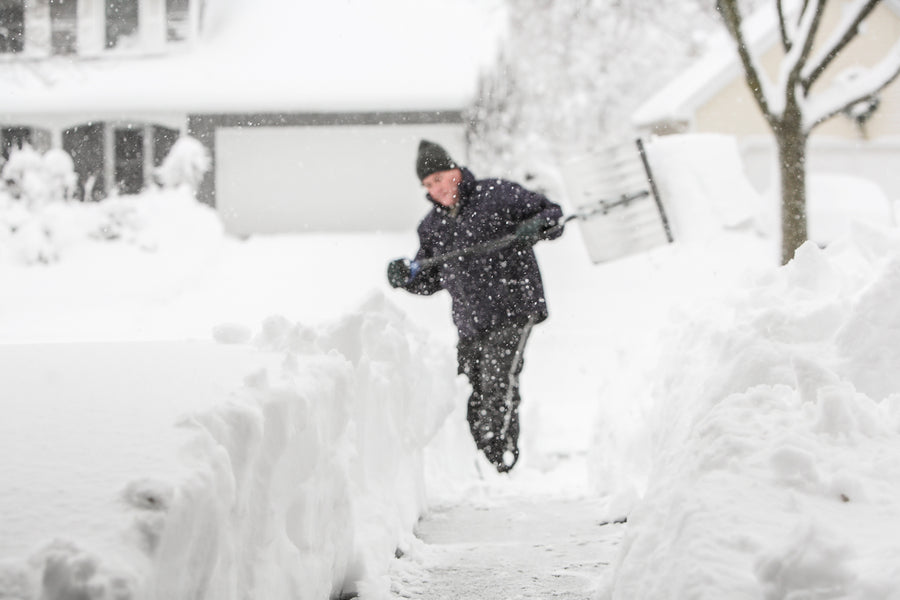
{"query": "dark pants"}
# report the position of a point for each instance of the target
(493, 363)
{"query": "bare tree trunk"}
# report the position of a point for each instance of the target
(801, 69)
(791, 140)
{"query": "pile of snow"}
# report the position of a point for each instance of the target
(773, 432)
(701, 179)
(164, 220)
(40, 221)
(300, 483)
(749, 417)
(833, 197)
(37, 179)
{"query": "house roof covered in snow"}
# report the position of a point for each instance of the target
(681, 97)
(282, 56)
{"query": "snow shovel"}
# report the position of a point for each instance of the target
(584, 213)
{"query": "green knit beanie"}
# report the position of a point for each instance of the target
(432, 158)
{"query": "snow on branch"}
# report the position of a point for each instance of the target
(810, 19)
(864, 84)
(756, 78)
(801, 43)
(786, 25)
(843, 35)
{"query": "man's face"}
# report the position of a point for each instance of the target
(443, 186)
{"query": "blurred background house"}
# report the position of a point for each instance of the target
(712, 97)
(297, 142)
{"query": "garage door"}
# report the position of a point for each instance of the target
(324, 178)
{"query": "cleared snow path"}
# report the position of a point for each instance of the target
(514, 548)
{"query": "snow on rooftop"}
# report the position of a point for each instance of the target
(284, 55)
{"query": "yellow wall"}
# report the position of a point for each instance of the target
(733, 109)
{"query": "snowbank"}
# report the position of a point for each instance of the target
(164, 220)
(715, 218)
(299, 483)
(701, 180)
(775, 427)
(749, 427)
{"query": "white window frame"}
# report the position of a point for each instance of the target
(178, 21)
(62, 24)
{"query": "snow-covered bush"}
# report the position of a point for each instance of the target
(37, 179)
(59, 171)
(158, 220)
(186, 164)
(154, 221)
(39, 222)
(36, 186)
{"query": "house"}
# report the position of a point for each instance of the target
(712, 97)
(311, 110)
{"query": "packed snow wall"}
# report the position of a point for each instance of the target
(300, 483)
(773, 437)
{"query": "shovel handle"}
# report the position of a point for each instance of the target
(584, 213)
(483, 248)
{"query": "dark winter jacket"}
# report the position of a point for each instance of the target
(492, 290)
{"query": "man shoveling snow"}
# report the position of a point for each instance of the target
(476, 243)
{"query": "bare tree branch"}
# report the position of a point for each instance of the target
(808, 36)
(803, 9)
(733, 20)
(799, 112)
(839, 42)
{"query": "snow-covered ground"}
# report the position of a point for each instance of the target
(189, 415)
